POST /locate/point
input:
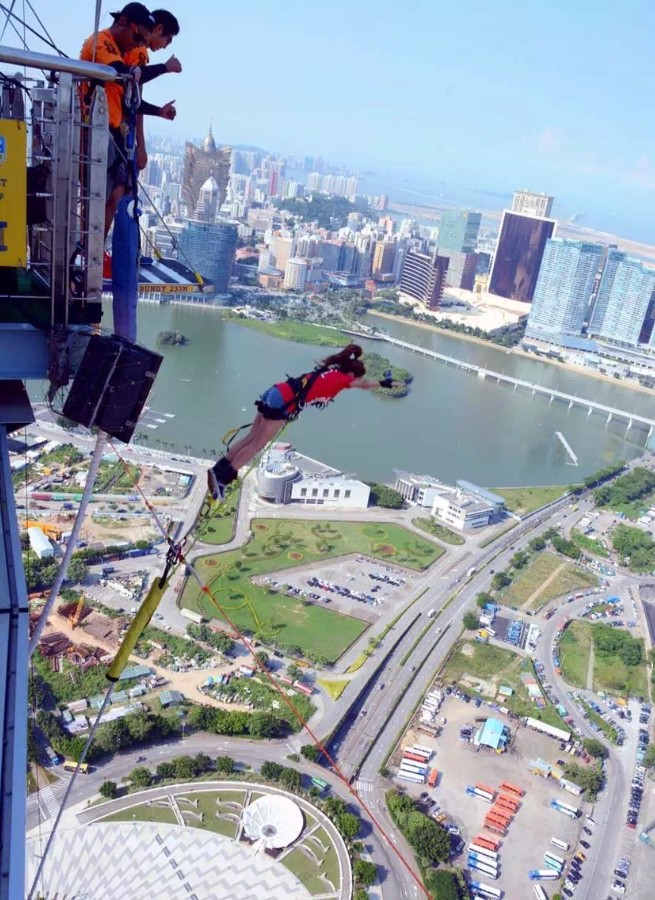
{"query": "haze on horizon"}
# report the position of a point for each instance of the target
(434, 97)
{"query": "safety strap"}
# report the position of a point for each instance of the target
(302, 387)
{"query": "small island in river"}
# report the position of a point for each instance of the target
(176, 338)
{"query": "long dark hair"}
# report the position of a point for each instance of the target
(347, 360)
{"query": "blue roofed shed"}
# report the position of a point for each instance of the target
(494, 734)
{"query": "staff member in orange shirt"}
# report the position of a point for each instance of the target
(132, 28)
(166, 28)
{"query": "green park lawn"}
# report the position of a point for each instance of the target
(216, 521)
(610, 673)
(495, 666)
(431, 526)
(278, 545)
(301, 332)
(208, 807)
(144, 813)
(524, 500)
(545, 577)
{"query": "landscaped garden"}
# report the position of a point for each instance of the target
(308, 628)
(317, 865)
(216, 521)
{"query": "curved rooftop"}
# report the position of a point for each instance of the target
(209, 144)
(275, 821)
(151, 860)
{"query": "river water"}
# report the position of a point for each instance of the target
(452, 425)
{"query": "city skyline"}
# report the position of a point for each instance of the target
(593, 157)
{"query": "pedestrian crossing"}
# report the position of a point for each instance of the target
(364, 785)
(48, 802)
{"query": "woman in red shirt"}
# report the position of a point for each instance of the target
(284, 401)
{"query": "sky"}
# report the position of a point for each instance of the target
(437, 96)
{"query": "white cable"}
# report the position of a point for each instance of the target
(94, 465)
(69, 788)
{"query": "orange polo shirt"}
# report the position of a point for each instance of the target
(107, 52)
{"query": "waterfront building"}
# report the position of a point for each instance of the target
(458, 231)
(423, 278)
(418, 489)
(201, 163)
(210, 247)
(384, 254)
(286, 476)
(564, 288)
(521, 245)
(531, 204)
(461, 269)
(625, 302)
(461, 510)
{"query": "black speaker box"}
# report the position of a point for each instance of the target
(112, 385)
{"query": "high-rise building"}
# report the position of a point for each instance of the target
(314, 181)
(520, 249)
(283, 249)
(384, 253)
(461, 269)
(207, 205)
(458, 231)
(295, 273)
(530, 204)
(210, 247)
(625, 300)
(423, 277)
(563, 291)
(201, 163)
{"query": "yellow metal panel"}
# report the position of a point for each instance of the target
(13, 193)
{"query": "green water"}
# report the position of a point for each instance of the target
(452, 425)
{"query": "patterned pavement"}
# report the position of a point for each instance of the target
(151, 861)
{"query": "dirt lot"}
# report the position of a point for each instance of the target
(353, 574)
(461, 764)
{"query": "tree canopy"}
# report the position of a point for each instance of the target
(634, 545)
(632, 486)
(429, 840)
(610, 641)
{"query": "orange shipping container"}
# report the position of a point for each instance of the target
(512, 788)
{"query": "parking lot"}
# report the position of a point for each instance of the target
(461, 764)
(357, 586)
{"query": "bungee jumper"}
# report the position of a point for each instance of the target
(284, 401)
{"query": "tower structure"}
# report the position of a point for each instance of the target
(520, 249)
(201, 163)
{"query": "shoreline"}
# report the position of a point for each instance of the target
(580, 370)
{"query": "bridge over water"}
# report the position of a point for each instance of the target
(633, 420)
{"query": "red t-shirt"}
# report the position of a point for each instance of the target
(326, 387)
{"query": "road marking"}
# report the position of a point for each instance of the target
(48, 799)
(364, 785)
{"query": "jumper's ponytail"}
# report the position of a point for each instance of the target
(347, 360)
